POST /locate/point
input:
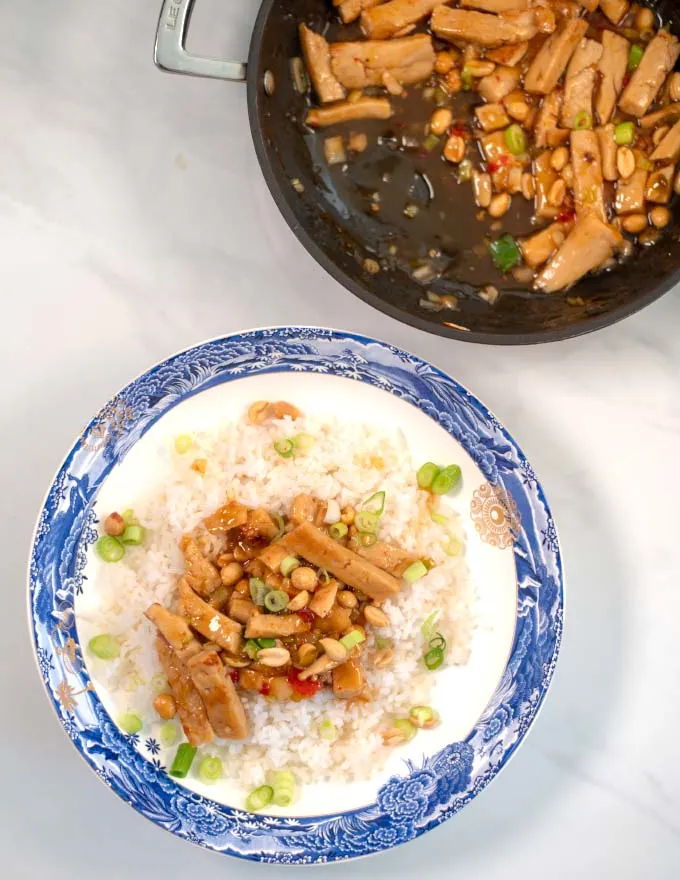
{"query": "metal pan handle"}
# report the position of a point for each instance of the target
(170, 54)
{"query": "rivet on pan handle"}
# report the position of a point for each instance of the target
(170, 54)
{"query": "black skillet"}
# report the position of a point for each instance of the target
(332, 216)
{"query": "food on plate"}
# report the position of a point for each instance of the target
(560, 119)
(287, 605)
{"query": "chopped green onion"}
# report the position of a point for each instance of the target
(431, 142)
(183, 760)
(210, 770)
(415, 572)
(366, 521)
(465, 171)
(258, 590)
(447, 479)
(283, 783)
(182, 444)
(129, 517)
(130, 723)
(381, 643)
(635, 57)
(404, 726)
(285, 448)
(434, 658)
(168, 734)
(452, 547)
(134, 535)
(466, 78)
(583, 121)
(110, 549)
(505, 253)
(515, 139)
(338, 530)
(375, 504)
(427, 629)
(423, 717)
(426, 474)
(366, 539)
(159, 682)
(328, 730)
(441, 98)
(260, 798)
(439, 518)
(438, 642)
(105, 647)
(276, 601)
(352, 639)
(429, 563)
(624, 133)
(251, 648)
(288, 566)
(266, 643)
(324, 576)
(280, 524)
(303, 442)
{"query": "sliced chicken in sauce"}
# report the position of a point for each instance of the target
(190, 707)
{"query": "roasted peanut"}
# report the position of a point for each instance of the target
(166, 706)
(453, 82)
(358, 142)
(557, 193)
(335, 650)
(307, 654)
(297, 603)
(528, 186)
(559, 159)
(660, 216)
(231, 574)
(444, 62)
(114, 525)
(500, 205)
(383, 658)
(482, 187)
(304, 578)
(479, 68)
(347, 599)
(375, 616)
(644, 21)
(454, 150)
(625, 162)
(274, 657)
(634, 223)
(440, 120)
(568, 174)
(347, 515)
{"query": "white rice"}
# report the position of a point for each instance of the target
(347, 462)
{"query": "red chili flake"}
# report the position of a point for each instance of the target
(233, 675)
(264, 690)
(303, 688)
(455, 130)
(493, 167)
(306, 615)
(626, 80)
(400, 125)
(566, 216)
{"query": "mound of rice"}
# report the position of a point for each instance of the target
(347, 462)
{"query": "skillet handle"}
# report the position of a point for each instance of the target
(170, 54)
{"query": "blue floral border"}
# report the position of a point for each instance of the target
(407, 805)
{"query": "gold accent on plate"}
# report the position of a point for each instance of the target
(67, 695)
(495, 516)
(110, 425)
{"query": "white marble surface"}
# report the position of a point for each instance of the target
(133, 222)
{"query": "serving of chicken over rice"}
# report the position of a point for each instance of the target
(283, 602)
(561, 118)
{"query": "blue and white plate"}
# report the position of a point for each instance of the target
(512, 552)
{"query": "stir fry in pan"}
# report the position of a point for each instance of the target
(561, 118)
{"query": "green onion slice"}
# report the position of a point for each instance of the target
(515, 139)
(583, 121)
(426, 474)
(366, 539)
(375, 504)
(505, 253)
(352, 639)
(283, 783)
(285, 448)
(258, 590)
(129, 517)
(415, 572)
(303, 442)
(438, 642)
(260, 798)
(104, 646)
(452, 547)
(430, 143)
(439, 518)
(110, 549)
(251, 648)
(210, 770)
(338, 530)
(288, 566)
(427, 629)
(168, 734)
(280, 524)
(624, 133)
(130, 723)
(367, 521)
(182, 444)
(266, 643)
(183, 760)
(276, 600)
(405, 726)
(447, 479)
(635, 57)
(423, 717)
(328, 730)
(434, 658)
(324, 576)
(133, 534)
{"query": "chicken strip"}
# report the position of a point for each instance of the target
(588, 182)
(590, 243)
(323, 599)
(391, 559)
(667, 114)
(275, 626)
(539, 248)
(348, 679)
(612, 69)
(175, 630)
(645, 83)
(668, 149)
(317, 56)
(358, 65)
(231, 516)
(387, 19)
(259, 525)
(606, 137)
(241, 609)
(190, 707)
(201, 575)
(348, 111)
(630, 193)
(545, 177)
(273, 556)
(660, 185)
(552, 59)
(579, 87)
(508, 56)
(208, 621)
(548, 117)
(615, 9)
(454, 25)
(314, 545)
(350, 10)
(225, 711)
(497, 85)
